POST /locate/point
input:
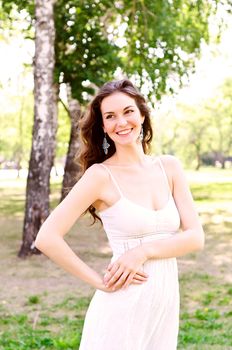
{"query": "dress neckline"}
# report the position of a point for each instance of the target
(170, 197)
(122, 197)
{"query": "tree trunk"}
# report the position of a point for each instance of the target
(198, 159)
(44, 129)
(72, 169)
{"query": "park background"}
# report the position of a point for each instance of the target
(180, 55)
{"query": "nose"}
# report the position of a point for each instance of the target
(122, 121)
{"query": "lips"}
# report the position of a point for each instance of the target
(124, 132)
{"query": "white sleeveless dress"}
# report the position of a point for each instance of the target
(140, 317)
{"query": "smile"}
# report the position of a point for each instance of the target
(124, 132)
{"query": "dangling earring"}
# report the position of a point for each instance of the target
(141, 135)
(105, 145)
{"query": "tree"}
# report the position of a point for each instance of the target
(154, 43)
(150, 42)
(71, 169)
(220, 111)
(201, 133)
(85, 59)
(44, 130)
(15, 96)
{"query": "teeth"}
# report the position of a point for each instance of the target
(124, 132)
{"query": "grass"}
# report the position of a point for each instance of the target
(56, 326)
(206, 320)
(43, 308)
(212, 192)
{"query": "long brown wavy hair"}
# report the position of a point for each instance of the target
(91, 127)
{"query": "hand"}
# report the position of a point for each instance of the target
(126, 270)
(99, 282)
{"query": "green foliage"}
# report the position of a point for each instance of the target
(199, 131)
(27, 333)
(160, 36)
(26, 338)
(83, 51)
(16, 116)
(155, 43)
(209, 323)
(151, 41)
(34, 299)
(219, 112)
(16, 129)
(212, 191)
(8, 6)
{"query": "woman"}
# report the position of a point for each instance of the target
(142, 202)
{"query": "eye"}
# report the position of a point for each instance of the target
(109, 116)
(128, 111)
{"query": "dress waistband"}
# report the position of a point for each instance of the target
(151, 234)
(119, 246)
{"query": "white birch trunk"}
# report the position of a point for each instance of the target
(45, 126)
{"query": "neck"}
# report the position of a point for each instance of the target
(129, 156)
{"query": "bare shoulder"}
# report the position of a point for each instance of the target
(96, 172)
(90, 186)
(173, 169)
(171, 164)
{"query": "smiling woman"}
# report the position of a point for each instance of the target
(124, 124)
(143, 204)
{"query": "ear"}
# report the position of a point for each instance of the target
(142, 119)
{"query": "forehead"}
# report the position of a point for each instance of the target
(116, 101)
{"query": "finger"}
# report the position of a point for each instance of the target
(134, 282)
(121, 280)
(109, 290)
(106, 277)
(139, 278)
(110, 274)
(128, 281)
(110, 266)
(142, 273)
(135, 279)
(114, 278)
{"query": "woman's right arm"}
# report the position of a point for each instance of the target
(50, 238)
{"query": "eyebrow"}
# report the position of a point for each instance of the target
(123, 109)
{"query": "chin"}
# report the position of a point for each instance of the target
(126, 143)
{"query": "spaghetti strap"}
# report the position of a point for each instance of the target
(128, 225)
(113, 179)
(165, 175)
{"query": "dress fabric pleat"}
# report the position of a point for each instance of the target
(141, 317)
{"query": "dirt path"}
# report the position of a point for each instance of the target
(21, 279)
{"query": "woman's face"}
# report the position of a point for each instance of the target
(121, 118)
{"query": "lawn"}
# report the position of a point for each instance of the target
(41, 307)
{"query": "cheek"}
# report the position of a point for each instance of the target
(107, 126)
(138, 120)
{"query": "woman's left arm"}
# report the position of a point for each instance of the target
(192, 236)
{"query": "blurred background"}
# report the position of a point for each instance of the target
(53, 58)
